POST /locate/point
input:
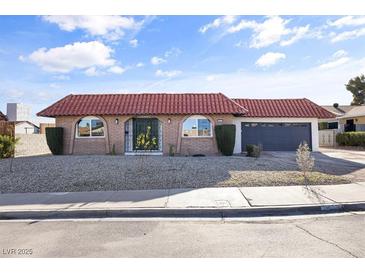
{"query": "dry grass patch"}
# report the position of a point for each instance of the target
(280, 178)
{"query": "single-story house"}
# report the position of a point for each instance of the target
(338, 111)
(25, 127)
(353, 120)
(182, 122)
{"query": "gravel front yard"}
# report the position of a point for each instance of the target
(90, 173)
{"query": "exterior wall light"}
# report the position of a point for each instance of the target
(116, 121)
(220, 121)
(169, 120)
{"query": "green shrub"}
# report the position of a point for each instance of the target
(356, 138)
(54, 138)
(226, 137)
(7, 146)
(253, 150)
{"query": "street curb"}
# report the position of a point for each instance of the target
(182, 212)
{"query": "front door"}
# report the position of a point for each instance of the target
(145, 134)
(350, 126)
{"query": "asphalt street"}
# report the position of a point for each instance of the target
(339, 235)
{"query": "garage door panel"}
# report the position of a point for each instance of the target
(276, 136)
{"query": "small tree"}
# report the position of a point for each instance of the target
(357, 87)
(304, 159)
(7, 146)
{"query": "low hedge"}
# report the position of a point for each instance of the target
(54, 136)
(226, 137)
(356, 138)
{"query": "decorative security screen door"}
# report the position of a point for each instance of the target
(145, 130)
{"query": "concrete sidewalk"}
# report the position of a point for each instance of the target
(184, 201)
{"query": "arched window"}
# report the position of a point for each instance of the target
(197, 126)
(90, 127)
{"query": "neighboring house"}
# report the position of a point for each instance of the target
(25, 127)
(3, 117)
(338, 111)
(94, 124)
(353, 120)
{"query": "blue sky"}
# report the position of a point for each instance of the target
(44, 58)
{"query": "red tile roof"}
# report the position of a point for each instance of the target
(143, 104)
(297, 108)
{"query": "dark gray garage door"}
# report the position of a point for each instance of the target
(276, 136)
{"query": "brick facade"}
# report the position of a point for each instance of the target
(114, 135)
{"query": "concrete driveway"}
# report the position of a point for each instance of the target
(349, 155)
(353, 160)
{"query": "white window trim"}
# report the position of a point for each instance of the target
(90, 136)
(198, 117)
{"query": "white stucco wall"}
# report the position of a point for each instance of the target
(314, 128)
(25, 128)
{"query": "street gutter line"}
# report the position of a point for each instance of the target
(190, 219)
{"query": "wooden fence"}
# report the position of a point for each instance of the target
(7, 128)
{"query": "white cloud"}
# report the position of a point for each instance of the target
(168, 73)
(240, 44)
(348, 21)
(338, 58)
(173, 52)
(346, 35)
(223, 20)
(139, 65)
(335, 63)
(92, 71)
(78, 55)
(211, 78)
(117, 70)
(110, 27)
(323, 87)
(21, 58)
(340, 53)
(273, 30)
(133, 43)
(298, 33)
(155, 60)
(269, 59)
(62, 77)
(266, 33)
(243, 24)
